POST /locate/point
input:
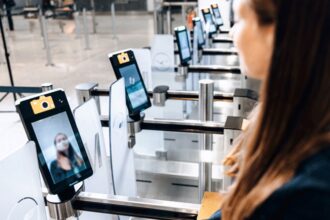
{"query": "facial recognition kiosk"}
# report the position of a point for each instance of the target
(184, 68)
(210, 26)
(200, 34)
(185, 57)
(183, 45)
(24, 199)
(125, 66)
(62, 158)
(48, 121)
(184, 51)
(217, 15)
(134, 125)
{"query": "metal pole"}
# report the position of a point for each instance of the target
(10, 18)
(84, 91)
(113, 20)
(11, 78)
(206, 91)
(87, 47)
(93, 16)
(169, 20)
(155, 17)
(47, 87)
(39, 18)
(183, 14)
(46, 42)
(185, 105)
(77, 23)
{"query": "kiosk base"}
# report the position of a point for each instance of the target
(134, 126)
(60, 205)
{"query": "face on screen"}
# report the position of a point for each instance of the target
(184, 44)
(133, 85)
(59, 147)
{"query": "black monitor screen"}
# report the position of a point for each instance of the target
(134, 86)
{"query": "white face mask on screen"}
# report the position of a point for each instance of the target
(62, 145)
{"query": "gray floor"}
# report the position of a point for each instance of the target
(73, 64)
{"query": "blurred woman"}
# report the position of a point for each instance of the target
(282, 161)
(68, 162)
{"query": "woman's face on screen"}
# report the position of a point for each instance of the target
(253, 41)
(61, 142)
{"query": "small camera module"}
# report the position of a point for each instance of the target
(44, 105)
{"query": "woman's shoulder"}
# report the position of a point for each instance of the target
(313, 174)
(306, 196)
(315, 170)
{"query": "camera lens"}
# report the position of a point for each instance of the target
(44, 105)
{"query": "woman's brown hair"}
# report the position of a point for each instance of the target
(293, 121)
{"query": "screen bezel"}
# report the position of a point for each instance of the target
(214, 8)
(177, 31)
(27, 117)
(132, 61)
(197, 21)
(205, 12)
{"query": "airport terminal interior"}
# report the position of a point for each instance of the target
(120, 109)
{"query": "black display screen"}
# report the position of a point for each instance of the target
(49, 122)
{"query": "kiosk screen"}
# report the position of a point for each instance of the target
(183, 44)
(134, 87)
(49, 122)
(209, 21)
(200, 37)
(217, 15)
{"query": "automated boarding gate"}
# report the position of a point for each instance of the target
(184, 43)
(88, 91)
(146, 208)
(62, 208)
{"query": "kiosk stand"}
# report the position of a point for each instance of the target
(60, 205)
(182, 72)
(134, 126)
